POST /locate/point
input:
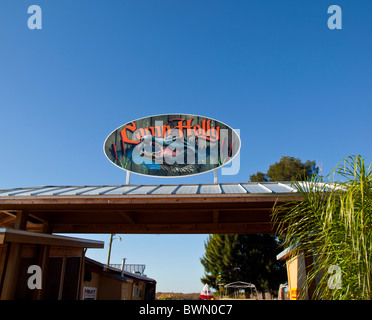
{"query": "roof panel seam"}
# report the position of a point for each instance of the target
(242, 188)
(129, 191)
(266, 188)
(109, 190)
(288, 187)
(152, 190)
(89, 190)
(44, 191)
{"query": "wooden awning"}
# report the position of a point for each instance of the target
(21, 236)
(217, 208)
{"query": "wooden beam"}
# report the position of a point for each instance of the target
(6, 219)
(12, 214)
(141, 200)
(168, 228)
(127, 217)
(216, 215)
(21, 220)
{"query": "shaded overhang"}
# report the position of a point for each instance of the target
(21, 236)
(152, 209)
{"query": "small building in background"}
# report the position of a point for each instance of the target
(296, 272)
(102, 282)
(59, 260)
(65, 272)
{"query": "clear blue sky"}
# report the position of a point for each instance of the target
(272, 69)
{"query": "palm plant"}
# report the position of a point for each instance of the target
(332, 226)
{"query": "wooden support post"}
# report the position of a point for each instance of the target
(13, 261)
(82, 272)
(11, 273)
(43, 258)
(109, 252)
(21, 220)
(43, 263)
(47, 228)
(62, 278)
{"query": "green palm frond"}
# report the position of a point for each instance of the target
(333, 223)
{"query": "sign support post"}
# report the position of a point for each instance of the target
(215, 179)
(127, 179)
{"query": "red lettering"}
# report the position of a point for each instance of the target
(203, 126)
(215, 134)
(166, 129)
(179, 127)
(142, 132)
(231, 146)
(188, 127)
(203, 131)
(115, 153)
(122, 146)
(158, 131)
(124, 136)
(198, 130)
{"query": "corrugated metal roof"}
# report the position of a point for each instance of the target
(181, 189)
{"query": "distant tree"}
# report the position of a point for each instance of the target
(258, 177)
(243, 257)
(218, 258)
(287, 169)
(258, 264)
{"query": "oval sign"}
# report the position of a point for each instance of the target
(172, 145)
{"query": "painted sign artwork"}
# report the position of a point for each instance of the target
(172, 145)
